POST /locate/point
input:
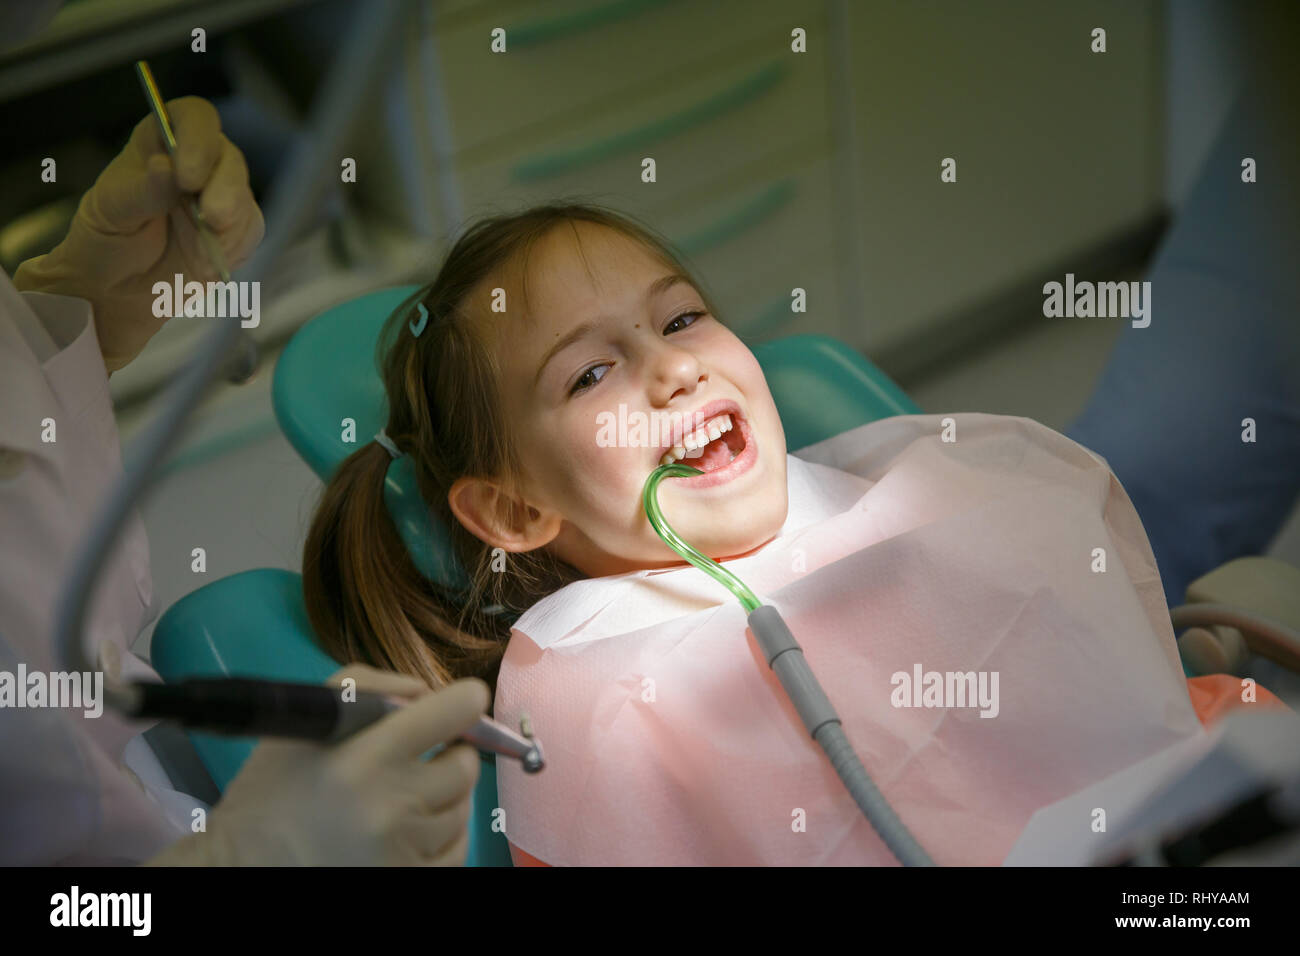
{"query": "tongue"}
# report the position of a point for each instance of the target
(716, 455)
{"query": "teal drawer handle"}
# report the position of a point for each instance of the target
(554, 28)
(746, 217)
(566, 161)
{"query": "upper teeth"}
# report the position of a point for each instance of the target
(692, 446)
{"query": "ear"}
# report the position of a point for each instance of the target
(499, 519)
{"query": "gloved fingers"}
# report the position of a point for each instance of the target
(197, 128)
(225, 197)
(228, 206)
(185, 237)
(242, 246)
(439, 839)
(447, 778)
(195, 261)
(454, 853)
(376, 681)
(141, 183)
(429, 720)
(128, 194)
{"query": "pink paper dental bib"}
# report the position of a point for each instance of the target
(970, 565)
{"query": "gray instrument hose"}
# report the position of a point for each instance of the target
(311, 166)
(785, 657)
(1271, 639)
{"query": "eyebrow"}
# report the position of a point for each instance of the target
(658, 287)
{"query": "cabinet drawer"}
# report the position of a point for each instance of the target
(699, 135)
(566, 62)
(1057, 147)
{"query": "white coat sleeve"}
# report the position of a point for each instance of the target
(65, 796)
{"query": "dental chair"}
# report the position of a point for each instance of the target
(254, 624)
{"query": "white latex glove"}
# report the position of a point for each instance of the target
(366, 801)
(131, 228)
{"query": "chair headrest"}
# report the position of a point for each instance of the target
(329, 373)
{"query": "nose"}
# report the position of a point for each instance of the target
(674, 372)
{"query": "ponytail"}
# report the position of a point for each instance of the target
(366, 599)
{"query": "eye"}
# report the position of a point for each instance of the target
(578, 386)
(588, 379)
(676, 319)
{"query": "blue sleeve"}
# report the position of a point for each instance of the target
(1223, 346)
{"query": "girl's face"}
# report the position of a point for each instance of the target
(609, 370)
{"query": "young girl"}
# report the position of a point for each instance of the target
(539, 327)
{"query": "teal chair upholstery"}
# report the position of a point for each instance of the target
(253, 624)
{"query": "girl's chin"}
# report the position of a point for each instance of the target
(727, 547)
(743, 550)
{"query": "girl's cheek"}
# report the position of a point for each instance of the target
(586, 459)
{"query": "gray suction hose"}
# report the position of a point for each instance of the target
(785, 657)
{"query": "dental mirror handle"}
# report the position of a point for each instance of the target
(243, 363)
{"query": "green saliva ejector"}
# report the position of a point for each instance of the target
(785, 657)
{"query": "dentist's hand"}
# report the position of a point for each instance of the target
(131, 228)
(368, 800)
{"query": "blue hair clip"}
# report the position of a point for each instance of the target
(424, 320)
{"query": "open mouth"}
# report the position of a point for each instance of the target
(712, 446)
(722, 447)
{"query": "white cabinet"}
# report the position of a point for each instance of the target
(770, 177)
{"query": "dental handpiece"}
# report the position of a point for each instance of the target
(258, 708)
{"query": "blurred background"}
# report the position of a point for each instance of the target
(818, 170)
